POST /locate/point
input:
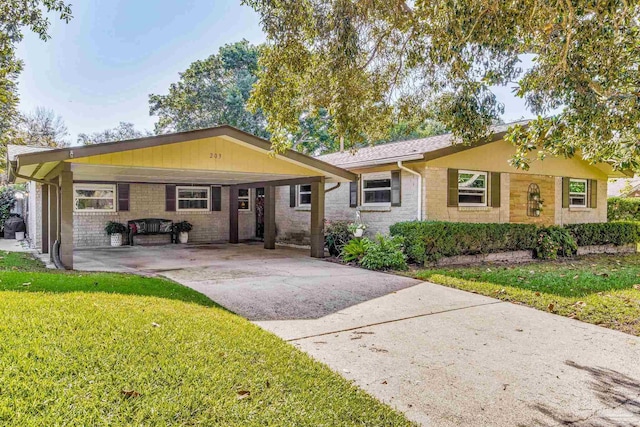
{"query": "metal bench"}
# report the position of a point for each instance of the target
(151, 226)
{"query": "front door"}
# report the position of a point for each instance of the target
(260, 213)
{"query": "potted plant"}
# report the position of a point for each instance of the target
(357, 229)
(183, 228)
(115, 230)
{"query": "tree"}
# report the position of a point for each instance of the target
(43, 127)
(371, 64)
(15, 15)
(122, 132)
(212, 92)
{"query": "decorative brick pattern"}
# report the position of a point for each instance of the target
(520, 198)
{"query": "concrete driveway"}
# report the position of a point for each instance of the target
(249, 280)
(451, 358)
(442, 356)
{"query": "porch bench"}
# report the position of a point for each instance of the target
(151, 226)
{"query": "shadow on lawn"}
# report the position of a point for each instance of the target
(618, 393)
(52, 281)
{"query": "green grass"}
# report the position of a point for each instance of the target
(604, 290)
(116, 350)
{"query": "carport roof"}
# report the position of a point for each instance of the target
(32, 164)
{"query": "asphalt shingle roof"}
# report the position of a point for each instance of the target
(395, 150)
(16, 150)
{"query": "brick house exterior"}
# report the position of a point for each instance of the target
(426, 179)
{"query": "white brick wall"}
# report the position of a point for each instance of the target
(292, 224)
(148, 201)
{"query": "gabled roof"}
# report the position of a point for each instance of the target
(616, 187)
(414, 149)
(31, 162)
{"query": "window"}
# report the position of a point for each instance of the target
(244, 201)
(304, 195)
(578, 193)
(376, 189)
(193, 198)
(94, 197)
(472, 188)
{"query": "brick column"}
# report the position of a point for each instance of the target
(66, 216)
(233, 214)
(317, 219)
(270, 217)
(44, 224)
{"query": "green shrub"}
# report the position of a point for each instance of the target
(428, 241)
(555, 241)
(7, 202)
(336, 235)
(616, 233)
(623, 209)
(384, 253)
(113, 227)
(354, 250)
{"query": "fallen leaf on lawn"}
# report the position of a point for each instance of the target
(575, 277)
(489, 270)
(243, 394)
(501, 291)
(520, 278)
(155, 325)
(550, 307)
(636, 287)
(573, 316)
(26, 284)
(603, 274)
(130, 393)
(537, 294)
(580, 304)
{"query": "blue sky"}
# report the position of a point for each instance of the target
(100, 68)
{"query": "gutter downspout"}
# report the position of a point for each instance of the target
(412, 172)
(332, 188)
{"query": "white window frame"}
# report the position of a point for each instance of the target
(300, 192)
(190, 187)
(373, 177)
(247, 198)
(486, 184)
(585, 194)
(111, 187)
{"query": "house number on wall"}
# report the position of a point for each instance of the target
(215, 155)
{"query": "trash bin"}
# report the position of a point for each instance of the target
(12, 225)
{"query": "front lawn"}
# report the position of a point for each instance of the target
(604, 290)
(113, 349)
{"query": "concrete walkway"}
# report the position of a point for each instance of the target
(451, 358)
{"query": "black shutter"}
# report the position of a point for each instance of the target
(565, 192)
(123, 197)
(292, 196)
(396, 191)
(170, 198)
(216, 199)
(452, 187)
(593, 191)
(353, 194)
(495, 189)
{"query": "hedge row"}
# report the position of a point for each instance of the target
(623, 209)
(427, 241)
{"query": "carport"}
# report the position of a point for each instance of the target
(222, 156)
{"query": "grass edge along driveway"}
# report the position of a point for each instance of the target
(603, 289)
(114, 349)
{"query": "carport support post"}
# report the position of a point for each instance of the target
(270, 217)
(44, 225)
(66, 216)
(233, 214)
(53, 217)
(317, 219)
